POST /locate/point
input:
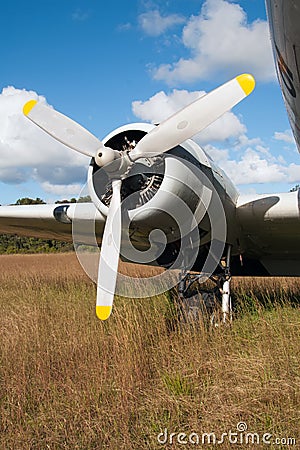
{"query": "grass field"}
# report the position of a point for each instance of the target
(69, 381)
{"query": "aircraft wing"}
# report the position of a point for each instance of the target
(270, 226)
(51, 221)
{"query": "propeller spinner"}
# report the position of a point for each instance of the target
(171, 132)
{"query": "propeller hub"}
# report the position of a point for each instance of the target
(104, 156)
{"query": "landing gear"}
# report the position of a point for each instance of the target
(226, 297)
(211, 303)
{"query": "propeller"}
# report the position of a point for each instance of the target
(194, 118)
(168, 134)
(68, 132)
(109, 259)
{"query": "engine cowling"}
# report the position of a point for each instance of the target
(153, 187)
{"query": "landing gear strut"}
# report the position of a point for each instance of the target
(213, 303)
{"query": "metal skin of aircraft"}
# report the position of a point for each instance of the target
(143, 178)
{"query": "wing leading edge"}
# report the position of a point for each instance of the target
(49, 221)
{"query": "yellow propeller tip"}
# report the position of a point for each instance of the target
(247, 82)
(28, 107)
(103, 312)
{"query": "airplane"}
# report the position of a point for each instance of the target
(158, 199)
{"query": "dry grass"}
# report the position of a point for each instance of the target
(69, 381)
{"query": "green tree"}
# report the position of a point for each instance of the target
(30, 201)
(72, 200)
(85, 199)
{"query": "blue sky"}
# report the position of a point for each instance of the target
(109, 63)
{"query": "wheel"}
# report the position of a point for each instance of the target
(204, 305)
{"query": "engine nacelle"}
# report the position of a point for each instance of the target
(156, 192)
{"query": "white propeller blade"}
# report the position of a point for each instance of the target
(109, 256)
(194, 118)
(62, 128)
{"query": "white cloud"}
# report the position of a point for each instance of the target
(11, 176)
(65, 190)
(255, 166)
(226, 127)
(124, 26)
(27, 153)
(293, 173)
(217, 154)
(162, 105)
(221, 41)
(245, 141)
(80, 16)
(285, 136)
(154, 24)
